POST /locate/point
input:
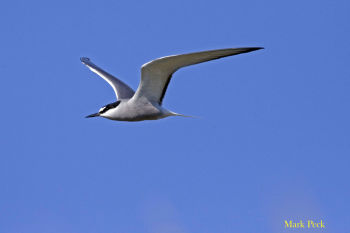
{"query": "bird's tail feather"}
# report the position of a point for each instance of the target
(182, 115)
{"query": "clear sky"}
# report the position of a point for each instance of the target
(271, 142)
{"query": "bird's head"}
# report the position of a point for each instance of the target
(102, 112)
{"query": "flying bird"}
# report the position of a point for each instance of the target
(146, 102)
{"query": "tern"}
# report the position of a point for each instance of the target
(146, 102)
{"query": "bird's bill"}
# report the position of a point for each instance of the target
(93, 115)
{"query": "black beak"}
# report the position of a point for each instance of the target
(93, 115)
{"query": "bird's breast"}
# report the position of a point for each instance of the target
(135, 111)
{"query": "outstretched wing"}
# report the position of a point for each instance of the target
(156, 75)
(122, 91)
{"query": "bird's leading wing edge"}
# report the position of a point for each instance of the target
(156, 74)
(121, 90)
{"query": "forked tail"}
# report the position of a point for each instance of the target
(178, 114)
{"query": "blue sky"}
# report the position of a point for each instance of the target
(271, 142)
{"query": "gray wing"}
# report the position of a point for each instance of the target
(122, 91)
(156, 75)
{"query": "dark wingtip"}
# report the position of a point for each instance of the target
(249, 49)
(84, 59)
(254, 48)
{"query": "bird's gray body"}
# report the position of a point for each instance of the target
(137, 110)
(146, 102)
